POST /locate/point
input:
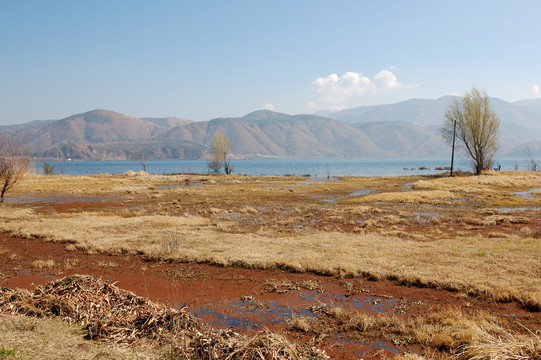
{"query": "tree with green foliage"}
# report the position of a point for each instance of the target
(475, 125)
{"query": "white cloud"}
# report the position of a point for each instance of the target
(269, 106)
(536, 91)
(335, 91)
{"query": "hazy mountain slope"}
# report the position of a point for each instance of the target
(534, 147)
(27, 125)
(157, 150)
(536, 103)
(103, 134)
(97, 126)
(407, 128)
(429, 113)
(416, 111)
(168, 122)
(404, 138)
(274, 134)
(520, 121)
(525, 116)
(195, 132)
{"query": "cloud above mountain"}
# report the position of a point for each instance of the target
(333, 91)
(268, 106)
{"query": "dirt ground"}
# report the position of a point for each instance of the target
(246, 300)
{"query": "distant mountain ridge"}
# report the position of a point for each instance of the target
(429, 113)
(408, 128)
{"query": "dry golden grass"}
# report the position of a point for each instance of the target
(446, 233)
(24, 337)
(412, 197)
(447, 333)
(43, 264)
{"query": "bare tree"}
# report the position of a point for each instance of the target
(14, 164)
(139, 156)
(214, 165)
(476, 127)
(48, 169)
(220, 150)
(531, 163)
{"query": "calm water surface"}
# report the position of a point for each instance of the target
(271, 166)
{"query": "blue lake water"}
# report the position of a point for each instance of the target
(273, 166)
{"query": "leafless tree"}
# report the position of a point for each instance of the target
(48, 169)
(221, 150)
(139, 156)
(214, 165)
(14, 164)
(477, 127)
(531, 163)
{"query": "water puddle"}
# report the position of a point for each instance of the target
(408, 186)
(323, 178)
(360, 192)
(178, 186)
(371, 304)
(520, 209)
(387, 345)
(528, 194)
(249, 315)
(223, 320)
(57, 199)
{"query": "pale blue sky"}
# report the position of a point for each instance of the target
(204, 59)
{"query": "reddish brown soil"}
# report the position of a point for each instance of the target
(243, 299)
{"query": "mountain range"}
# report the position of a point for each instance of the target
(408, 128)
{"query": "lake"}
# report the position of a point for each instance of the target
(274, 166)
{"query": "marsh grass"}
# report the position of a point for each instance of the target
(23, 337)
(43, 264)
(442, 232)
(448, 333)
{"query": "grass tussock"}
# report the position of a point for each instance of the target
(448, 333)
(43, 264)
(112, 315)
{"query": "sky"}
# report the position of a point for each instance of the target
(201, 59)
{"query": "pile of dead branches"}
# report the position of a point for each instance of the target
(115, 315)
